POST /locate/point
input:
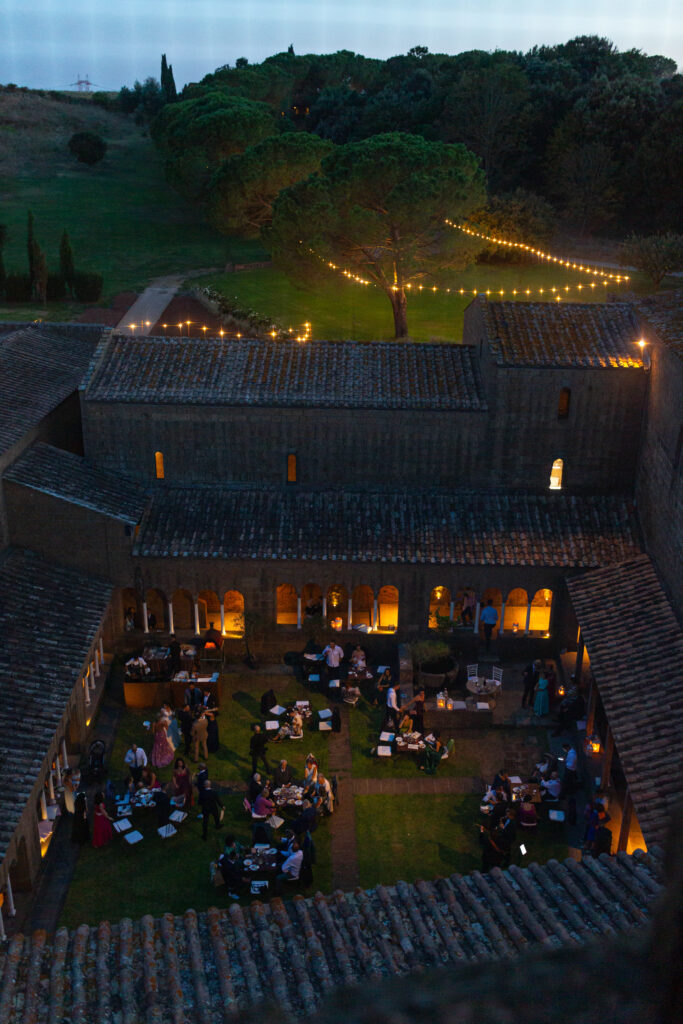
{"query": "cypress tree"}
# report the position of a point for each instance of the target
(164, 76)
(39, 274)
(171, 92)
(66, 260)
(30, 242)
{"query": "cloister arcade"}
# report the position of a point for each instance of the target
(518, 612)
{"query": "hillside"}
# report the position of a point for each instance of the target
(122, 217)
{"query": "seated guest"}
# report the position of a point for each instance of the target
(283, 774)
(137, 667)
(551, 789)
(350, 692)
(136, 759)
(307, 821)
(311, 775)
(502, 781)
(212, 636)
(359, 660)
(498, 811)
(406, 723)
(255, 787)
(325, 794)
(263, 806)
(292, 726)
(233, 846)
(528, 816)
(432, 753)
(290, 866)
(148, 779)
(415, 708)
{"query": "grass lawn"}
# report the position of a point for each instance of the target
(407, 838)
(364, 726)
(123, 219)
(341, 309)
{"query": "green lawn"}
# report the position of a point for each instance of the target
(364, 726)
(123, 219)
(406, 837)
(341, 309)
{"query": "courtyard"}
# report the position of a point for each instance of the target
(391, 822)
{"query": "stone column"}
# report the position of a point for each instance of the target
(65, 759)
(11, 909)
(170, 617)
(350, 614)
(145, 620)
(451, 611)
(325, 609)
(375, 614)
(475, 629)
(626, 815)
(93, 684)
(43, 805)
(501, 620)
(86, 690)
(196, 617)
(527, 624)
(100, 644)
(58, 769)
(298, 613)
(51, 786)
(97, 662)
(222, 619)
(3, 935)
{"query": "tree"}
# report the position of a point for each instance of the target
(167, 81)
(517, 217)
(39, 274)
(655, 255)
(241, 194)
(88, 147)
(378, 209)
(66, 260)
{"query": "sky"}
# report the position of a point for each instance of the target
(50, 43)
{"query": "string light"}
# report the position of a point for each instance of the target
(303, 333)
(561, 261)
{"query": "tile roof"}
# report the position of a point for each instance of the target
(664, 312)
(385, 375)
(212, 967)
(562, 333)
(635, 647)
(468, 527)
(43, 644)
(69, 477)
(40, 366)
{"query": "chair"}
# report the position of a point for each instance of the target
(472, 672)
(496, 676)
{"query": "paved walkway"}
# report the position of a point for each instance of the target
(342, 824)
(148, 307)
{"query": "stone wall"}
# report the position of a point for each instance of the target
(659, 487)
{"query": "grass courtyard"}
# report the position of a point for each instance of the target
(402, 836)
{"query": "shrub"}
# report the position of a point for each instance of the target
(18, 288)
(87, 287)
(87, 147)
(56, 288)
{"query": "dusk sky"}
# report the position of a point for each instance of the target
(47, 43)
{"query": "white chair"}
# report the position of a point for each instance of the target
(472, 672)
(496, 676)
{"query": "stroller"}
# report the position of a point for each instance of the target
(96, 768)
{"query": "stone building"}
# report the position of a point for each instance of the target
(200, 478)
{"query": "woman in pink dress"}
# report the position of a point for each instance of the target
(162, 749)
(101, 829)
(182, 782)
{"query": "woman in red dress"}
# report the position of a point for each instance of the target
(101, 830)
(182, 782)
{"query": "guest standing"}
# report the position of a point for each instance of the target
(199, 736)
(257, 749)
(80, 829)
(102, 830)
(162, 748)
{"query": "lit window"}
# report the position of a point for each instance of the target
(556, 475)
(563, 405)
(159, 463)
(291, 469)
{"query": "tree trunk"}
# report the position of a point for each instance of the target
(399, 304)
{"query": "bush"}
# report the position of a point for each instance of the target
(56, 288)
(87, 147)
(18, 288)
(87, 287)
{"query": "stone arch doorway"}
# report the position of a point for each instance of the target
(209, 609)
(362, 602)
(286, 605)
(439, 605)
(157, 609)
(387, 610)
(233, 610)
(183, 610)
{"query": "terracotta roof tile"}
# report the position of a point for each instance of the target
(664, 312)
(43, 645)
(562, 334)
(69, 477)
(635, 647)
(352, 374)
(468, 527)
(40, 366)
(206, 968)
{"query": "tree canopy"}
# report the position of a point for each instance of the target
(241, 194)
(377, 208)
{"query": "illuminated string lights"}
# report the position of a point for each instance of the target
(301, 333)
(569, 264)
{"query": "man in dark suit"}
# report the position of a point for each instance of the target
(211, 804)
(208, 700)
(283, 774)
(193, 696)
(257, 749)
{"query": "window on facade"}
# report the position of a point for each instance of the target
(556, 475)
(563, 404)
(159, 463)
(291, 469)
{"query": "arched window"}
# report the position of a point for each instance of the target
(387, 610)
(556, 475)
(233, 604)
(159, 464)
(515, 611)
(362, 601)
(541, 607)
(291, 469)
(563, 404)
(286, 605)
